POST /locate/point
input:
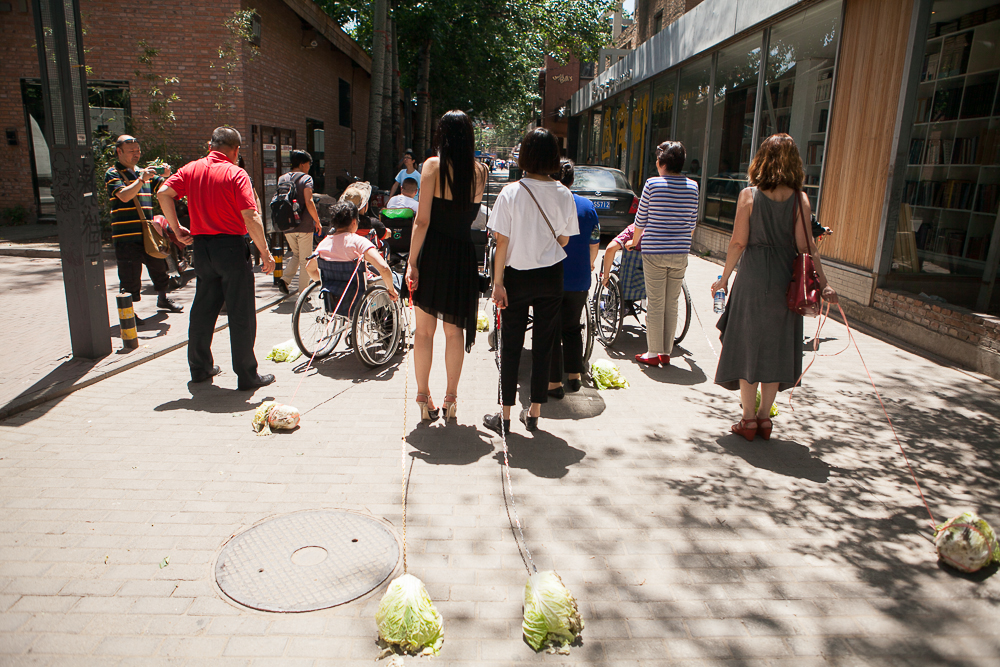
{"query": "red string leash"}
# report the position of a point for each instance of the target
(851, 340)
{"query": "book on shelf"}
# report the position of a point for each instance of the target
(824, 88)
(955, 54)
(988, 147)
(922, 113)
(930, 67)
(814, 154)
(824, 117)
(987, 198)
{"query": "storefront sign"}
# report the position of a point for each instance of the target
(602, 90)
(562, 78)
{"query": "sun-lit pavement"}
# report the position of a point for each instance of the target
(683, 545)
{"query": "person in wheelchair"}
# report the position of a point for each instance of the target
(337, 261)
(630, 278)
(408, 198)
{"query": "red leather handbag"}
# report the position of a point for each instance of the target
(804, 292)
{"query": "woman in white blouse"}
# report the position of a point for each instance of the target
(531, 220)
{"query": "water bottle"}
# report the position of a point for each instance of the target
(720, 299)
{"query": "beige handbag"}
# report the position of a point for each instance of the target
(155, 243)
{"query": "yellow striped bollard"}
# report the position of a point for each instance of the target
(278, 254)
(126, 319)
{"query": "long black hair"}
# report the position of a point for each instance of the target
(456, 148)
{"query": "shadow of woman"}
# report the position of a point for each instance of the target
(783, 457)
(451, 444)
(543, 455)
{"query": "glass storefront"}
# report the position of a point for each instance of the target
(799, 85)
(737, 71)
(661, 127)
(692, 114)
(594, 145)
(951, 189)
(637, 143)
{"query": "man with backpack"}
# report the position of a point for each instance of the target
(294, 214)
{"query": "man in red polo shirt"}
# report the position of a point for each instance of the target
(223, 209)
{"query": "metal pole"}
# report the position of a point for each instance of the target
(64, 93)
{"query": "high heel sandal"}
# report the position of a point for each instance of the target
(741, 428)
(450, 407)
(427, 414)
(764, 431)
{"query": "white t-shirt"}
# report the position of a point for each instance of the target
(402, 201)
(515, 215)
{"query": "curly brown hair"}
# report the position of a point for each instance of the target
(777, 162)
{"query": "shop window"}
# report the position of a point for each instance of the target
(621, 127)
(692, 114)
(951, 188)
(799, 85)
(637, 137)
(729, 150)
(316, 147)
(661, 126)
(658, 22)
(345, 103)
(594, 145)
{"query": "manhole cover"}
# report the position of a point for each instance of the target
(307, 561)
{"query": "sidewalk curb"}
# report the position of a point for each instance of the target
(36, 253)
(15, 407)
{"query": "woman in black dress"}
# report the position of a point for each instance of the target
(442, 267)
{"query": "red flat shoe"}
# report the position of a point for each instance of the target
(765, 431)
(747, 432)
(651, 361)
(664, 359)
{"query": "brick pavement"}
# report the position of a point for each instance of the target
(39, 361)
(683, 545)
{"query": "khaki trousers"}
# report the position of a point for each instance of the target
(663, 275)
(301, 245)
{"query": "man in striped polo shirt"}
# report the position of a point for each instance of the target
(127, 185)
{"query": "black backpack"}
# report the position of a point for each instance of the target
(285, 204)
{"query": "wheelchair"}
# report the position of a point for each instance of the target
(625, 294)
(376, 327)
(587, 322)
(399, 223)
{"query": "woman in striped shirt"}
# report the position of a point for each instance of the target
(664, 223)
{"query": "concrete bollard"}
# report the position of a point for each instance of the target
(126, 319)
(277, 253)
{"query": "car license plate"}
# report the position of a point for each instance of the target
(602, 204)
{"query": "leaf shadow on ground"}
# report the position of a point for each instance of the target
(819, 535)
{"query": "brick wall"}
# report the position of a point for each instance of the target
(946, 319)
(282, 87)
(288, 83)
(646, 11)
(18, 58)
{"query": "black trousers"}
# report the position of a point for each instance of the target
(130, 258)
(540, 290)
(567, 350)
(222, 267)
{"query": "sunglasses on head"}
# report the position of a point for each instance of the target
(126, 141)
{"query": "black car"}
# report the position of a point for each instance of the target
(610, 193)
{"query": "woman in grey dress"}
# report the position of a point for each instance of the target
(761, 337)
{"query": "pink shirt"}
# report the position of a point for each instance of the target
(626, 236)
(217, 192)
(344, 247)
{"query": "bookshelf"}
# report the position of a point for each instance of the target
(951, 189)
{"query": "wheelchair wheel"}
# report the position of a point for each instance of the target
(683, 314)
(587, 323)
(609, 310)
(377, 327)
(316, 331)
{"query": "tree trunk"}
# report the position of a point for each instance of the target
(376, 93)
(421, 139)
(386, 159)
(396, 149)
